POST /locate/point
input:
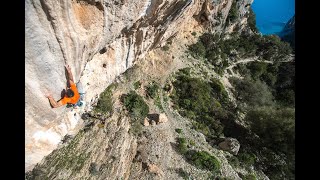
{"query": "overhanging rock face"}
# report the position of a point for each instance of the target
(99, 40)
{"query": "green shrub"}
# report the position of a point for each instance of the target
(166, 87)
(179, 131)
(280, 78)
(285, 84)
(272, 48)
(269, 78)
(233, 13)
(276, 143)
(219, 71)
(218, 90)
(263, 71)
(197, 50)
(185, 175)
(193, 33)
(275, 127)
(234, 161)
(137, 85)
(220, 178)
(157, 102)
(136, 127)
(199, 100)
(201, 127)
(252, 20)
(253, 93)
(243, 70)
(130, 73)
(203, 160)
(152, 90)
(246, 159)
(213, 57)
(249, 177)
(192, 143)
(193, 95)
(182, 145)
(209, 40)
(105, 102)
(184, 72)
(165, 48)
(135, 105)
(257, 69)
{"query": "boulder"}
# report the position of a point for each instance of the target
(157, 118)
(155, 169)
(162, 118)
(153, 123)
(231, 145)
(146, 122)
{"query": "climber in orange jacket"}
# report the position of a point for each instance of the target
(71, 95)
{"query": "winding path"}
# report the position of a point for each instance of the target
(247, 60)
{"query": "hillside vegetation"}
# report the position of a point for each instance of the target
(265, 94)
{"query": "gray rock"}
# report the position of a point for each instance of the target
(162, 118)
(146, 122)
(231, 145)
(153, 123)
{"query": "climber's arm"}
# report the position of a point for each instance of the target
(69, 73)
(53, 102)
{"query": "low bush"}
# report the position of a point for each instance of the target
(203, 160)
(233, 13)
(182, 173)
(165, 48)
(252, 20)
(179, 131)
(182, 145)
(152, 90)
(157, 102)
(200, 101)
(137, 85)
(249, 177)
(246, 159)
(197, 50)
(275, 127)
(105, 102)
(252, 93)
(135, 105)
(276, 144)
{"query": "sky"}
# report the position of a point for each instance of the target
(272, 15)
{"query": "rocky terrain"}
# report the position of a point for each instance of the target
(99, 40)
(288, 32)
(133, 59)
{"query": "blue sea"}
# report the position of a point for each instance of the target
(272, 15)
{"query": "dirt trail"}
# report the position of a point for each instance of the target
(247, 60)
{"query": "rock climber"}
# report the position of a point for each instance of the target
(71, 94)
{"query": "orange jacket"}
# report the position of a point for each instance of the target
(74, 99)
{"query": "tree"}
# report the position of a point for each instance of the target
(253, 93)
(135, 105)
(252, 20)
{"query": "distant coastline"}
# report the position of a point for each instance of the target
(272, 15)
